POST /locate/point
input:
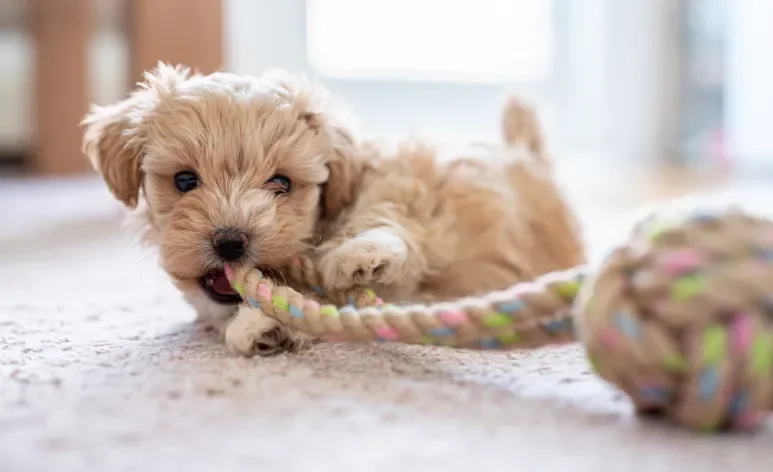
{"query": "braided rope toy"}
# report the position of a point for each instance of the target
(679, 317)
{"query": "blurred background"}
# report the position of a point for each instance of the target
(663, 94)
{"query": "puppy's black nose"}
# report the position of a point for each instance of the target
(229, 244)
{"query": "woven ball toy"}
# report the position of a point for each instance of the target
(679, 316)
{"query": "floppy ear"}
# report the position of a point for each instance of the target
(109, 144)
(346, 166)
(113, 140)
(316, 107)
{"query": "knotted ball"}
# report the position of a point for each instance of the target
(680, 317)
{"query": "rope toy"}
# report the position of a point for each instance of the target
(679, 317)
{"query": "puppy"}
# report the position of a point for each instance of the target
(224, 168)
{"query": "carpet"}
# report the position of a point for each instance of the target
(101, 369)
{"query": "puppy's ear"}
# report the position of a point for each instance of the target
(317, 108)
(109, 143)
(345, 165)
(114, 141)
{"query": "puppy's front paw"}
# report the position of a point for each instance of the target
(251, 333)
(375, 256)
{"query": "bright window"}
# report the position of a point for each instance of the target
(435, 40)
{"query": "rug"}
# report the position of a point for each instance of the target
(102, 369)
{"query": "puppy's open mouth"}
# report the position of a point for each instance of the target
(217, 287)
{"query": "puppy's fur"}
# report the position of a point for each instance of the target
(410, 223)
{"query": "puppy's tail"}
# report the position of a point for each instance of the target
(521, 127)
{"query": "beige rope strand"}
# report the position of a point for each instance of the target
(524, 316)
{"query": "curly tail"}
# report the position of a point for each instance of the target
(521, 127)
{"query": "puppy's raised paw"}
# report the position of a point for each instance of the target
(252, 333)
(375, 256)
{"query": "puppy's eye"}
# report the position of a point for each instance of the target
(186, 181)
(279, 184)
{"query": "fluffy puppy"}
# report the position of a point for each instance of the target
(233, 169)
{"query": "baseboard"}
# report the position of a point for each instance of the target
(13, 162)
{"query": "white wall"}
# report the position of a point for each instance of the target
(261, 34)
(619, 86)
(267, 33)
(749, 98)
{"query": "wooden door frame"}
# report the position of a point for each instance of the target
(176, 31)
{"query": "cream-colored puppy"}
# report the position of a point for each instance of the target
(224, 168)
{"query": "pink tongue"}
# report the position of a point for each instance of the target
(221, 285)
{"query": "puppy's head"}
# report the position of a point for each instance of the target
(223, 168)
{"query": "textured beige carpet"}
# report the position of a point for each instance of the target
(102, 370)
